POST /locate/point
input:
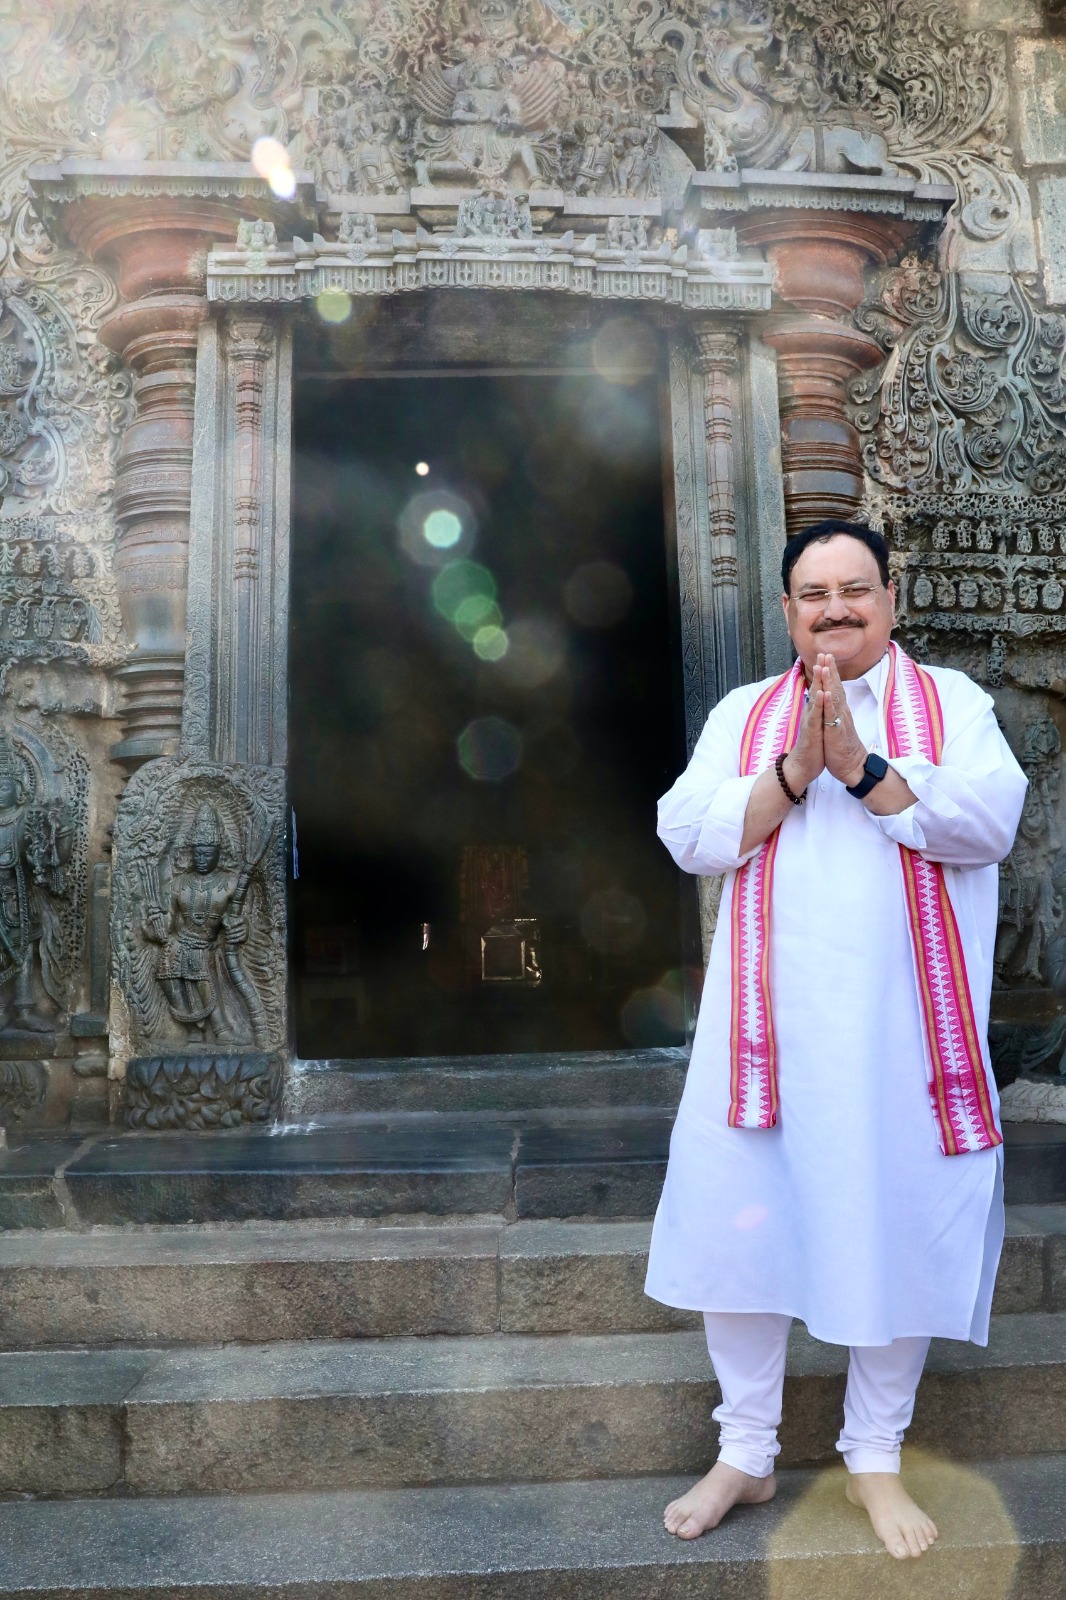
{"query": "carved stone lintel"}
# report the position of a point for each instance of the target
(202, 1092)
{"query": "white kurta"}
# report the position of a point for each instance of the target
(846, 1214)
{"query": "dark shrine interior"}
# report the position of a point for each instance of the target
(483, 712)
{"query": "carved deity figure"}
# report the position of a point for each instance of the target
(35, 844)
(492, 213)
(476, 126)
(200, 933)
(257, 235)
(372, 148)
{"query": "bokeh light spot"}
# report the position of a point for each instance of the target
(435, 526)
(656, 1014)
(624, 350)
(489, 749)
(613, 921)
(537, 651)
(270, 159)
(491, 643)
(598, 594)
(442, 529)
(333, 305)
(422, 468)
(460, 582)
(477, 611)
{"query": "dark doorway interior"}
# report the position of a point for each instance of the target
(482, 717)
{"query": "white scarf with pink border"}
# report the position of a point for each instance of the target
(955, 1069)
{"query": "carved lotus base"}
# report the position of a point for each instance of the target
(200, 1093)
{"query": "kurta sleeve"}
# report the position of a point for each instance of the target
(968, 807)
(701, 819)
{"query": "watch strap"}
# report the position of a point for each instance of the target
(873, 770)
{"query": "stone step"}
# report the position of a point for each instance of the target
(530, 1164)
(1002, 1536)
(271, 1281)
(586, 1080)
(398, 1413)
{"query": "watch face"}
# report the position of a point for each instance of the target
(875, 765)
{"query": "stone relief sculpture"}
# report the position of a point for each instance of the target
(198, 908)
(43, 844)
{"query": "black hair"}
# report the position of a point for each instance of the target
(820, 532)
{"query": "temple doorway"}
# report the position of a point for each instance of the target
(484, 708)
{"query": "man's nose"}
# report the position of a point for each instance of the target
(835, 605)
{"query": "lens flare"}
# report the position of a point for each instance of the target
(598, 594)
(656, 1015)
(333, 305)
(442, 529)
(537, 652)
(613, 921)
(459, 582)
(491, 643)
(270, 160)
(624, 350)
(434, 526)
(489, 749)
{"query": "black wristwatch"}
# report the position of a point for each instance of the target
(873, 770)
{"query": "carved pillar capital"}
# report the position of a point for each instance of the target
(819, 258)
(714, 348)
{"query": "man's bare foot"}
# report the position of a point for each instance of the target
(708, 1501)
(903, 1528)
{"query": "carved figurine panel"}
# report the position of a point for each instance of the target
(198, 910)
(44, 826)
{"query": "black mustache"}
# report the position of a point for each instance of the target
(826, 627)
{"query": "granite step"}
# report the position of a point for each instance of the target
(1002, 1527)
(284, 1281)
(533, 1163)
(399, 1413)
(588, 1080)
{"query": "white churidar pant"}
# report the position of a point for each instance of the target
(747, 1351)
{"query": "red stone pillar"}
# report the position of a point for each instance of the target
(819, 258)
(158, 247)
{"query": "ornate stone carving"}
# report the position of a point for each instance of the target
(23, 1086)
(614, 266)
(198, 907)
(44, 792)
(202, 1092)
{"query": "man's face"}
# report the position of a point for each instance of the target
(854, 626)
(8, 793)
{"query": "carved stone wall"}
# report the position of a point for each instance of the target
(670, 152)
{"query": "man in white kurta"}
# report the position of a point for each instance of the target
(845, 1214)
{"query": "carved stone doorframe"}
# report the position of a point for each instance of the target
(198, 990)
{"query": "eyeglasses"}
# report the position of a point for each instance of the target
(850, 593)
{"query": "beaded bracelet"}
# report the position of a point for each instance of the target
(779, 768)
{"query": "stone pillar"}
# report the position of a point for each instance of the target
(157, 245)
(715, 351)
(819, 258)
